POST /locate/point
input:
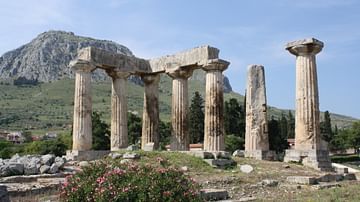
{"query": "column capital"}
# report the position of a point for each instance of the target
(180, 72)
(216, 64)
(308, 46)
(118, 74)
(150, 78)
(82, 66)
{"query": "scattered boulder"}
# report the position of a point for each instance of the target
(11, 169)
(128, 155)
(214, 194)
(48, 159)
(149, 146)
(246, 168)
(115, 155)
(31, 168)
(132, 148)
(302, 180)
(54, 169)
(184, 168)
(269, 183)
(44, 169)
(84, 164)
(60, 162)
(220, 163)
(239, 153)
(124, 161)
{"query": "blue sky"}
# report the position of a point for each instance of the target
(246, 32)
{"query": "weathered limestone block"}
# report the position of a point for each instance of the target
(119, 130)
(256, 136)
(150, 122)
(214, 137)
(82, 128)
(179, 110)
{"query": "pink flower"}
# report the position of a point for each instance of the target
(166, 193)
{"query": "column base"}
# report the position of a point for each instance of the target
(89, 155)
(317, 159)
(261, 155)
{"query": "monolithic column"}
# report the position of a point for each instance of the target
(180, 139)
(82, 128)
(214, 137)
(256, 135)
(307, 124)
(150, 122)
(119, 129)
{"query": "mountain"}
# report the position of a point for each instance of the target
(46, 59)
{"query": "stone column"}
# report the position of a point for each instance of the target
(119, 129)
(307, 121)
(256, 135)
(179, 110)
(82, 127)
(214, 135)
(150, 122)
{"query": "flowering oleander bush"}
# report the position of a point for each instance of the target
(112, 181)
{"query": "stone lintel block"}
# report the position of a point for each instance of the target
(114, 61)
(214, 194)
(350, 176)
(330, 178)
(220, 163)
(307, 180)
(261, 155)
(76, 155)
(342, 170)
(200, 154)
(306, 41)
(188, 58)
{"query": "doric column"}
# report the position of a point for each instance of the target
(214, 137)
(150, 122)
(82, 127)
(119, 129)
(179, 109)
(307, 124)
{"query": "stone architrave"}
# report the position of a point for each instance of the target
(180, 139)
(214, 137)
(150, 122)
(82, 127)
(307, 116)
(256, 135)
(119, 129)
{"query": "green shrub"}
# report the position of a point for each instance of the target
(233, 142)
(55, 147)
(112, 181)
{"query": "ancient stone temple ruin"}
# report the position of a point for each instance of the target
(308, 147)
(119, 67)
(256, 135)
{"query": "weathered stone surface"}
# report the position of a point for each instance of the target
(180, 139)
(119, 130)
(150, 146)
(221, 155)
(330, 178)
(48, 159)
(31, 168)
(269, 183)
(150, 121)
(115, 155)
(53, 169)
(256, 136)
(214, 137)
(59, 161)
(349, 176)
(84, 164)
(132, 148)
(75, 155)
(220, 163)
(302, 180)
(246, 168)
(12, 169)
(44, 169)
(4, 195)
(261, 155)
(200, 154)
(82, 126)
(131, 156)
(214, 194)
(239, 153)
(327, 185)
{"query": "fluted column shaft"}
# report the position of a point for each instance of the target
(180, 139)
(119, 119)
(150, 122)
(214, 135)
(82, 126)
(307, 115)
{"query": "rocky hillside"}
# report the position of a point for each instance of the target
(47, 56)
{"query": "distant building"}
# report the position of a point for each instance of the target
(15, 137)
(3, 135)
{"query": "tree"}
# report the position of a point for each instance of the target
(196, 119)
(134, 128)
(291, 125)
(325, 128)
(165, 134)
(283, 126)
(276, 141)
(101, 133)
(27, 136)
(234, 118)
